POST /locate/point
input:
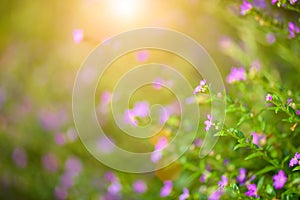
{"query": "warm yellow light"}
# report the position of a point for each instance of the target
(125, 8)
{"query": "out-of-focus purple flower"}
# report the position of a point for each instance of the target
(241, 178)
(201, 88)
(77, 35)
(52, 120)
(293, 29)
(115, 187)
(61, 193)
(104, 102)
(73, 166)
(109, 176)
(19, 157)
(203, 178)
(252, 191)
(197, 142)
(105, 145)
(298, 112)
(260, 3)
(271, 38)
(279, 179)
(157, 155)
(293, 1)
(185, 194)
(255, 66)
(208, 122)
(141, 109)
(289, 100)
(258, 139)
(215, 195)
(295, 160)
(269, 97)
(60, 139)
(236, 74)
(129, 118)
(158, 83)
(223, 182)
(245, 7)
(139, 186)
(50, 162)
(274, 1)
(226, 161)
(66, 180)
(166, 189)
(142, 56)
(72, 134)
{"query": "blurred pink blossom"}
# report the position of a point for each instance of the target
(77, 35)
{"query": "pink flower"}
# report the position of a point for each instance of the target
(289, 101)
(215, 195)
(185, 194)
(258, 139)
(252, 191)
(295, 160)
(274, 1)
(208, 123)
(20, 157)
(279, 180)
(269, 98)
(298, 112)
(293, 29)
(77, 35)
(270, 38)
(245, 7)
(166, 189)
(50, 162)
(242, 176)
(223, 182)
(139, 187)
(142, 56)
(73, 166)
(236, 74)
(129, 118)
(201, 88)
(157, 154)
(293, 1)
(141, 109)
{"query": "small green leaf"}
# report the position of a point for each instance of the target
(240, 146)
(265, 170)
(260, 182)
(253, 155)
(296, 168)
(270, 189)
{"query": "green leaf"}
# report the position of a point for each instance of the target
(270, 189)
(260, 182)
(253, 155)
(296, 168)
(240, 146)
(265, 170)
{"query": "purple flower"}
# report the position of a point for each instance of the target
(105, 101)
(19, 157)
(77, 35)
(258, 139)
(203, 178)
(129, 118)
(157, 154)
(66, 180)
(73, 166)
(260, 3)
(241, 178)
(270, 38)
(60, 139)
(293, 1)
(252, 191)
(298, 112)
(223, 182)
(158, 83)
(236, 74)
(139, 187)
(141, 109)
(115, 187)
(274, 1)
(215, 195)
(166, 189)
(269, 97)
(61, 193)
(109, 176)
(185, 194)
(279, 180)
(289, 100)
(293, 29)
(142, 56)
(50, 162)
(295, 160)
(245, 7)
(208, 122)
(201, 88)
